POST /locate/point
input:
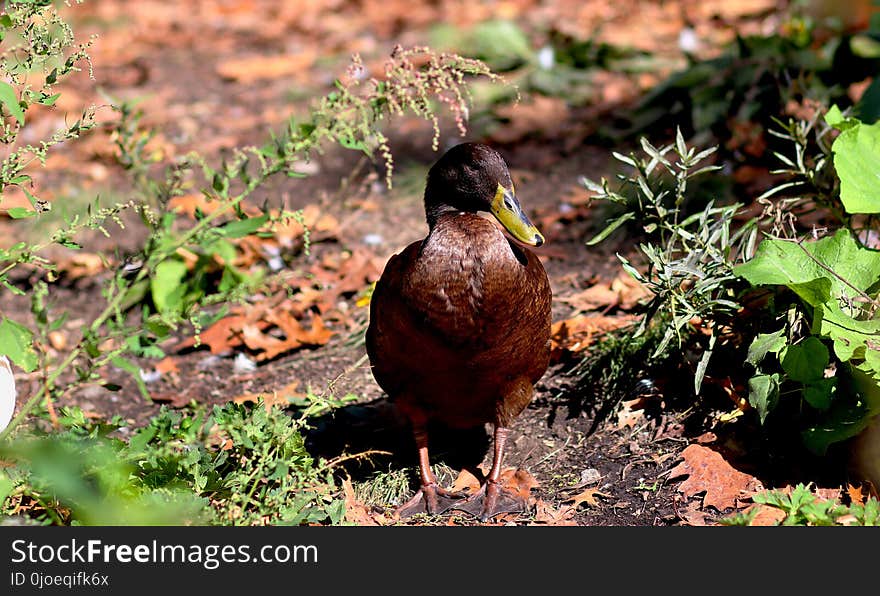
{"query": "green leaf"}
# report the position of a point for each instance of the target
(613, 225)
(10, 100)
(764, 393)
(244, 227)
(849, 336)
(765, 343)
(856, 155)
(805, 362)
(20, 213)
(798, 266)
(818, 393)
(17, 342)
(167, 287)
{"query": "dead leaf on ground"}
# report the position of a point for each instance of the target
(547, 515)
(255, 68)
(623, 292)
(578, 333)
(589, 496)
(542, 115)
(357, 512)
(282, 397)
(295, 335)
(516, 479)
(707, 471)
(80, 264)
(766, 515)
(855, 494)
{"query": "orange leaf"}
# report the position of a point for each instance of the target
(708, 472)
(254, 68)
(167, 365)
(622, 292)
(855, 494)
(588, 496)
(356, 512)
(578, 333)
(547, 515)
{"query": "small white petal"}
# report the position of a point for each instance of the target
(7, 392)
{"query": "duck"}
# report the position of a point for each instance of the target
(459, 322)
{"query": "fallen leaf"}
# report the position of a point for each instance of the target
(465, 482)
(254, 68)
(357, 512)
(855, 494)
(622, 292)
(578, 333)
(588, 496)
(766, 515)
(189, 204)
(547, 515)
(167, 365)
(707, 471)
(282, 397)
(80, 264)
(269, 346)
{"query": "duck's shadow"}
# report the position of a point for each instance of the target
(370, 437)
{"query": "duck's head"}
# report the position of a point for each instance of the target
(473, 177)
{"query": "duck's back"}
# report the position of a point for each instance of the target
(460, 323)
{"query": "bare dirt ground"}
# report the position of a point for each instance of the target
(186, 64)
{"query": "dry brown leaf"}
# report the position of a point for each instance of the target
(81, 264)
(855, 494)
(254, 68)
(357, 512)
(167, 365)
(707, 471)
(588, 496)
(541, 115)
(282, 397)
(766, 515)
(547, 515)
(622, 292)
(221, 337)
(268, 346)
(190, 203)
(578, 333)
(516, 479)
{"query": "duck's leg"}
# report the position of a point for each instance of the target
(492, 499)
(430, 498)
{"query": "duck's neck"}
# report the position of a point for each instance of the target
(435, 208)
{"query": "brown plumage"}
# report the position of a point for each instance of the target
(460, 321)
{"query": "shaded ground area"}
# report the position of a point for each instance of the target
(227, 71)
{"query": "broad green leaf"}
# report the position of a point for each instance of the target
(805, 362)
(244, 227)
(167, 287)
(856, 155)
(818, 393)
(17, 342)
(765, 343)
(835, 258)
(764, 393)
(814, 292)
(10, 100)
(850, 336)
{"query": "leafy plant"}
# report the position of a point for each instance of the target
(689, 258)
(234, 464)
(803, 508)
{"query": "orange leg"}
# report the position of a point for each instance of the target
(430, 498)
(492, 499)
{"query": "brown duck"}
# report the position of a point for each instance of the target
(459, 327)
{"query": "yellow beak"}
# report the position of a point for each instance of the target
(507, 210)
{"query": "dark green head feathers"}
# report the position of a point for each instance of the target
(473, 177)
